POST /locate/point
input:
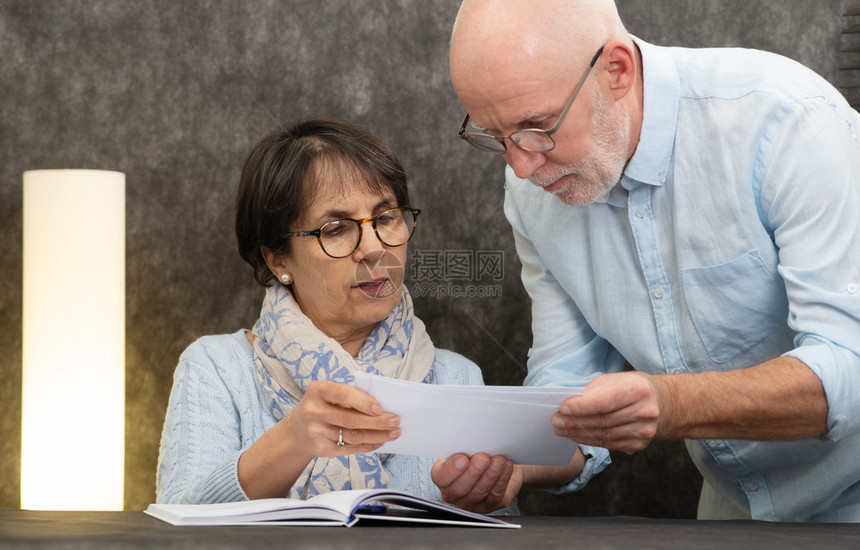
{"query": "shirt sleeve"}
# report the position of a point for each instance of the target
(565, 350)
(201, 441)
(809, 175)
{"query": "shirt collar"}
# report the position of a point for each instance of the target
(661, 99)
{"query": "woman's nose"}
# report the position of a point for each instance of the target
(368, 242)
(523, 162)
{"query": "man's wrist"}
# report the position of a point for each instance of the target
(667, 391)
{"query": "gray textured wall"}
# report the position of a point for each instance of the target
(173, 93)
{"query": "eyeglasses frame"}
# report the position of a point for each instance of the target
(461, 133)
(373, 219)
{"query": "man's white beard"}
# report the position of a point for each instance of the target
(593, 178)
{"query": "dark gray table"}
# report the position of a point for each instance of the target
(121, 530)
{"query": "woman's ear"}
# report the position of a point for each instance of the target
(619, 59)
(277, 263)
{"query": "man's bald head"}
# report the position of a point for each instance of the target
(517, 38)
(515, 65)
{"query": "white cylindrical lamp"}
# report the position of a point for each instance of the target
(73, 394)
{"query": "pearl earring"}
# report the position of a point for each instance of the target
(286, 279)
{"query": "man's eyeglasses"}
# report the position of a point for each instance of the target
(530, 139)
(339, 238)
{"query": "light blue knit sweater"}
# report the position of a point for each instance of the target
(216, 411)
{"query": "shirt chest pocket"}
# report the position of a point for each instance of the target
(734, 305)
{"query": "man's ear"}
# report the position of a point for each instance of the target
(619, 60)
(277, 263)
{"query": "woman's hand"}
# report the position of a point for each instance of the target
(484, 484)
(480, 484)
(330, 413)
(327, 413)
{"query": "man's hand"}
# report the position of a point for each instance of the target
(619, 411)
(779, 400)
(481, 484)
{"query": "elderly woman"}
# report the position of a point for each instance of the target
(323, 217)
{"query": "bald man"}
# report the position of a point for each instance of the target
(695, 213)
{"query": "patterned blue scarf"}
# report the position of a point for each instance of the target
(290, 352)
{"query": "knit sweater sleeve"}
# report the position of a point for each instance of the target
(207, 427)
(215, 412)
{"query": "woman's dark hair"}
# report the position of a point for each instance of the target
(284, 171)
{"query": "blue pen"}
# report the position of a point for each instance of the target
(372, 508)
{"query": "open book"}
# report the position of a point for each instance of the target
(333, 508)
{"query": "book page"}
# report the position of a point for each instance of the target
(251, 511)
(410, 508)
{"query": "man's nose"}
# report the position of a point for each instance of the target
(523, 162)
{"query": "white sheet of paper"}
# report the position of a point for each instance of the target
(438, 421)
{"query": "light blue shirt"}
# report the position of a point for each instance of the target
(733, 238)
(217, 410)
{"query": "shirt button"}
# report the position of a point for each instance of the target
(640, 213)
(852, 288)
(658, 293)
(752, 486)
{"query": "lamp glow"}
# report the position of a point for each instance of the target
(73, 415)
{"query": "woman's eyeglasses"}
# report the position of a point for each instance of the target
(339, 238)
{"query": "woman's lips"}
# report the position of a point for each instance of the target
(374, 287)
